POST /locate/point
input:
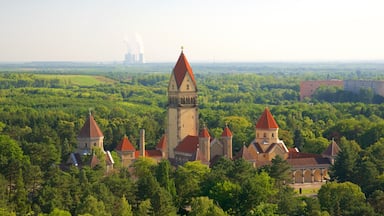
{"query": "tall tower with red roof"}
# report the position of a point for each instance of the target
(90, 136)
(183, 119)
(266, 130)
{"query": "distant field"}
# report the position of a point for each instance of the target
(79, 80)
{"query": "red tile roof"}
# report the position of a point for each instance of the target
(188, 144)
(181, 68)
(125, 145)
(204, 133)
(90, 129)
(226, 132)
(149, 153)
(266, 121)
(162, 145)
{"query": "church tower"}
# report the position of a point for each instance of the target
(183, 116)
(266, 130)
(90, 136)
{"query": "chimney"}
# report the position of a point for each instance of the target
(142, 143)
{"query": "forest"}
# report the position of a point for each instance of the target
(43, 108)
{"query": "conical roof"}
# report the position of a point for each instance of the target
(181, 68)
(204, 133)
(266, 121)
(125, 145)
(90, 129)
(226, 132)
(162, 145)
(332, 150)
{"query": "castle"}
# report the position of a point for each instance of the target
(184, 141)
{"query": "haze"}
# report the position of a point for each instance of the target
(210, 31)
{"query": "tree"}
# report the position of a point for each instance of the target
(11, 158)
(145, 208)
(280, 170)
(345, 163)
(124, 209)
(255, 190)
(288, 202)
(264, 209)
(298, 139)
(162, 203)
(58, 212)
(377, 201)
(343, 199)
(92, 206)
(227, 194)
(188, 179)
(203, 206)
(164, 177)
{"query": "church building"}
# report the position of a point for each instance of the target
(89, 138)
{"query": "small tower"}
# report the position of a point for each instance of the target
(90, 136)
(226, 137)
(266, 130)
(183, 119)
(126, 151)
(205, 143)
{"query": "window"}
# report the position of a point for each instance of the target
(94, 144)
(265, 135)
(273, 135)
(257, 135)
(187, 86)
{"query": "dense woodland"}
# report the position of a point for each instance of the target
(43, 108)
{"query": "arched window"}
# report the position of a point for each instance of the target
(187, 86)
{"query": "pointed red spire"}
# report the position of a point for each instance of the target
(181, 68)
(125, 145)
(90, 129)
(266, 121)
(204, 133)
(162, 145)
(226, 132)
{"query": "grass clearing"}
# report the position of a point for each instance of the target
(79, 80)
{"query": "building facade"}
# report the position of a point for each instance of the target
(308, 88)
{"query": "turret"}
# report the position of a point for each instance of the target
(226, 138)
(205, 143)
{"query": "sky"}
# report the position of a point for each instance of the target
(209, 30)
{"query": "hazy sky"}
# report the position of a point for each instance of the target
(209, 30)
